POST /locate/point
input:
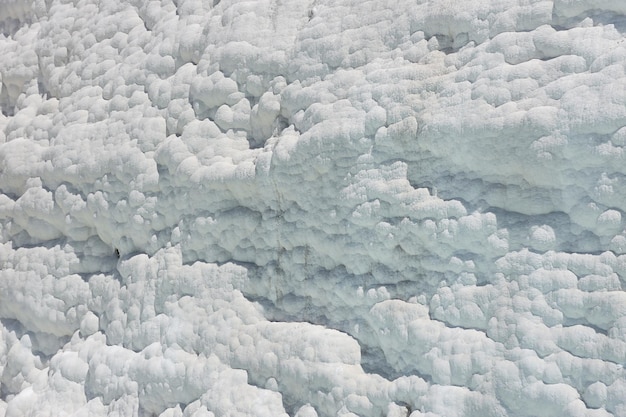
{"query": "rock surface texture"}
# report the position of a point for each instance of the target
(313, 208)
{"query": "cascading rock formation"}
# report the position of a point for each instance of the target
(313, 208)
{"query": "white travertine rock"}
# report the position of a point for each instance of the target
(321, 208)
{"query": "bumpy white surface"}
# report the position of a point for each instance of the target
(320, 208)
